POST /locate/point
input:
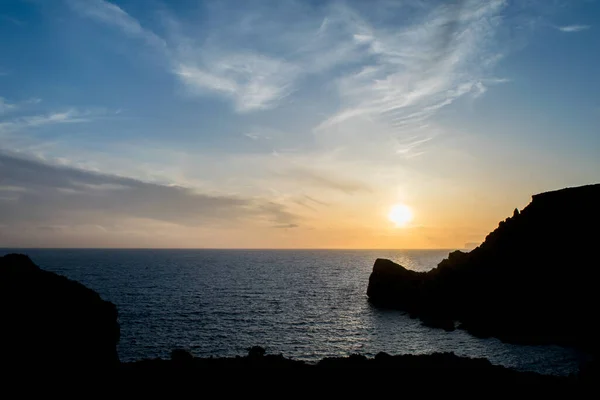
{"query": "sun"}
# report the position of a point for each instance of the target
(400, 214)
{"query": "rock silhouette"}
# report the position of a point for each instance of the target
(531, 281)
(430, 367)
(50, 322)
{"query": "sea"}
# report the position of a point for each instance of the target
(304, 304)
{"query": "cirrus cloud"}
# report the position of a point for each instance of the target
(573, 28)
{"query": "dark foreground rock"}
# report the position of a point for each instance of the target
(437, 367)
(49, 322)
(531, 281)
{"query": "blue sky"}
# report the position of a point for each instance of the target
(289, 123)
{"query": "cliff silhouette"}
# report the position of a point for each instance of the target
(49, 322)
(531, 281)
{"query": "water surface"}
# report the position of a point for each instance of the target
(305, 304)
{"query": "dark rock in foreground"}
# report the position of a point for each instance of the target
(50, 322)
(531, 281)
(437, 367)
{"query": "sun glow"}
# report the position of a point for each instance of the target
(400, 215)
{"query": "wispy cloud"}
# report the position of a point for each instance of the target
(5, 106)
(418, 70)
(384, 83)
(398, 75)
(573, 28)
(252, 136)
(302, 44)
(34, 121)
(251, 81)
(111, 14)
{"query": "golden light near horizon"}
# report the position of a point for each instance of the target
(400, 214)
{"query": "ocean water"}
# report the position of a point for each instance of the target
(304, 304)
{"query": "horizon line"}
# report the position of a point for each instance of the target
(221, 248)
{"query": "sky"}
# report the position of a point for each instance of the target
(289, 124)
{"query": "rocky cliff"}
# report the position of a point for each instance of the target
(50, 322)
(532, 280)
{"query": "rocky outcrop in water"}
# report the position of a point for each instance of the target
(50, 322)
(531, 281)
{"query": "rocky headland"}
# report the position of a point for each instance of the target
(531, 281)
